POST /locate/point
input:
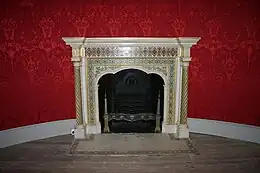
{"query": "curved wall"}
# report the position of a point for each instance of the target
(36, 75)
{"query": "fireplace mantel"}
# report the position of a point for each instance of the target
(168, 57)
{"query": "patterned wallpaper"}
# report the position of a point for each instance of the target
(36, 75)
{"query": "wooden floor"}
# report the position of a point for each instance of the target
(217, 155)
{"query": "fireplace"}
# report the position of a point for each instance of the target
(131, 99)
(166, 58)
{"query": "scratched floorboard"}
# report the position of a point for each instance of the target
(49, 155)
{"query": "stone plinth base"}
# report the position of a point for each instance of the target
(169, 128)
(81, 133)
(182, 131)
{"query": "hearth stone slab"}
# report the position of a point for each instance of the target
(131, 144)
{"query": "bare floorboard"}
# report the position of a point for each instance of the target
(217, 155)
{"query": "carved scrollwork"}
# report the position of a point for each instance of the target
(101, 69)
(98, 66)
(141, 51)
(161, 69)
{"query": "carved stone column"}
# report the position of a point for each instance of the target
(77, 55)
(78, 97)
(184, 93)
(183, 129)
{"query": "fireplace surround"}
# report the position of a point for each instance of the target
(167, 57)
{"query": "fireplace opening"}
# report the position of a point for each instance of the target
(131, 101)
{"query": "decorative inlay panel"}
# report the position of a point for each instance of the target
(184, 96)
(141, 51)
(171, 96)
(99, 66)
(101, 69)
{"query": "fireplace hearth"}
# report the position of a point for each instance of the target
(131, 94)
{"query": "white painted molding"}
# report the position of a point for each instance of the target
(225, 129)
(83, 90)
(74, 41)
(34, 132)
(128, 41)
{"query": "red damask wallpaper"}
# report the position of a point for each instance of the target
(36, 75)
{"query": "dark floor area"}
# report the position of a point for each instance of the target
(217, 155)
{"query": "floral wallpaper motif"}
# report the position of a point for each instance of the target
(36, 75)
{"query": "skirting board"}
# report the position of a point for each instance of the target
(35, 132)
(225, 129)
(45, 130)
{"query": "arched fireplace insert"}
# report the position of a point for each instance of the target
(132, 96)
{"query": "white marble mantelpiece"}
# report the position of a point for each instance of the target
(167, 57)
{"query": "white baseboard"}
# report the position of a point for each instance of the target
(50, 129)
(34, 132)
(225, 129)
